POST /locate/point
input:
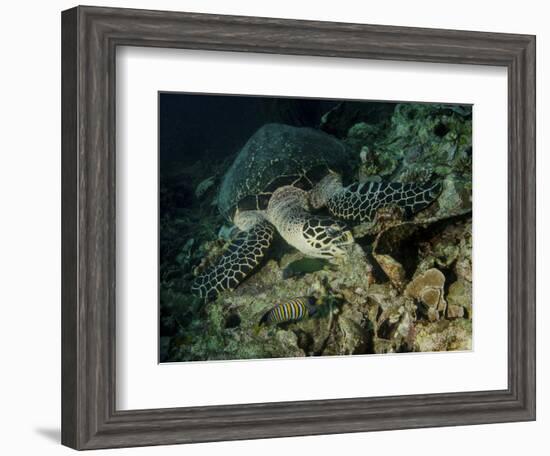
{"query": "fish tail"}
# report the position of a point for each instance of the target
(264, 318)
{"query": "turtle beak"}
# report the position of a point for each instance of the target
(339, 239)
(341, 242)
(346, 238)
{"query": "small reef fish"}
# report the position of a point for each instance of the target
(291, 310)
(304, 266)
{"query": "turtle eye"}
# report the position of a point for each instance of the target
(332, 230)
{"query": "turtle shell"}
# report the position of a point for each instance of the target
(278, 155)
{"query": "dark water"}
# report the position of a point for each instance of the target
(192, 126)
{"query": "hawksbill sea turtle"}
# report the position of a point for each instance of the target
(281, 176)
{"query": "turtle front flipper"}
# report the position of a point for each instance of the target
(359, 202)
(242, 256)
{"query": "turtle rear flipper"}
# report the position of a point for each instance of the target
(361, 201)
(236, 263)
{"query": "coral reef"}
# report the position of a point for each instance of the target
(405, 285)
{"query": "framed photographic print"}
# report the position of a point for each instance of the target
(280, 228)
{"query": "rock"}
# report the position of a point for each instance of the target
(463, 265)
(454, 311)
(393, 316)
(340, 323)
(447, 249)
(353, 270)
(393, 269)
(459, 299)
(428, 289)
(354, 329)
(204, 186)
(340, 119)
(385, 218)
(212, 251)
(363, 154)
(443, 335)
(455, 198)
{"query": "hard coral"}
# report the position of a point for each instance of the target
(428, 289)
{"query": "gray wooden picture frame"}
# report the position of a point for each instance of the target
(90, 36)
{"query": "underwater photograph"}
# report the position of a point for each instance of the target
(297, 227)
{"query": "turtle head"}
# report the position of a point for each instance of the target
(326, 237)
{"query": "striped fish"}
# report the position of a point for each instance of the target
(291, 310)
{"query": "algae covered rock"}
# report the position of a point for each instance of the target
(336, 325)
(347, 114)
(444, 335)
(460, 299)
(204, 186)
